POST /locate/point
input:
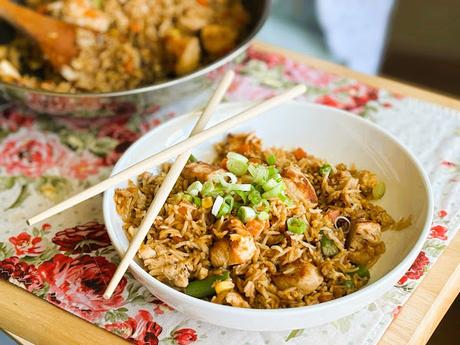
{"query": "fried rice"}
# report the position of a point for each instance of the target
(125, 44)
(291, 230)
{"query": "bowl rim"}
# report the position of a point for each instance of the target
(375, 288)
(163, 85)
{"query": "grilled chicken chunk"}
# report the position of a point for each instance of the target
(298, 186)
(305, 276)
(200, 171)
(237, 249)
(365, 243)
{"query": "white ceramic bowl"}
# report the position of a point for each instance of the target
(325, 132)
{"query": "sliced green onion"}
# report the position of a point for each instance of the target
(363, 272)
(217, 205)
(197, 201)
(224, 210)
(287, 201)
(273, 172)
(254, 197)
(192, 159)
(207, 189)
(270, 184)
(243, 195)
(378, 191)
(195, 188)
(259, 173)
(223, 182)
(187, 197)
(296, 225)
(271, 159)
(274, 193)
(263, 215)
(348, 284)
(328, 246)
(263, 205)
(244, 187)
(226, 206)
(246, 213)
(229, 200)
(236, 163)
(204, 288)
(325, 169)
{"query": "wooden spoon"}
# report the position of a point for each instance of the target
(56, 39)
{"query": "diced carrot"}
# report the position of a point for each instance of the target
(135, 26)
(299, 153)
(203, 2)
(91, 13)
(129, 66)
(223, 164)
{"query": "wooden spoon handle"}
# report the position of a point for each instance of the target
(56, 38)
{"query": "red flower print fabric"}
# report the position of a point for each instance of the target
(20, 273)
(184, 336)
(140, 329)
(30, 154)
(27, 245)
(82, 238)
(417, 269)
(77, 284)
(438, 231)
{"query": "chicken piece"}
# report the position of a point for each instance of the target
(200, 171)
(298, 186)
(236, 250)
(305, 277)
(218, 39)
(177, 274)
(219, 254)
(195, 18)
(235, 299)
(242, 249)
(234, 225)
(332, 214)
(255, 227)
(365, 243)
(363, 234)
(246, 144)
(185, 49)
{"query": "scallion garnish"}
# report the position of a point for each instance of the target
(363, 272)
(271, 159)
(192, 159)
(378, 191)
(263, 215)
(236, 163)
(195, 188)
(207, 189)
(274, 192)
(246, 213)
(296, 225)
(217, 205)
(187, 197)
(270, 184)
(197, 201)
(259, 173)
(325, 169)
(328, 246)
(254, 197)
(244, 187)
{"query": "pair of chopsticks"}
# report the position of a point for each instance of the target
(180, 150)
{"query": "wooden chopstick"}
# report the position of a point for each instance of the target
(166, 187)
(170, 152)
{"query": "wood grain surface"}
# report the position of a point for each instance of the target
(42, 323)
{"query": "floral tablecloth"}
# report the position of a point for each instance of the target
(69, 260)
